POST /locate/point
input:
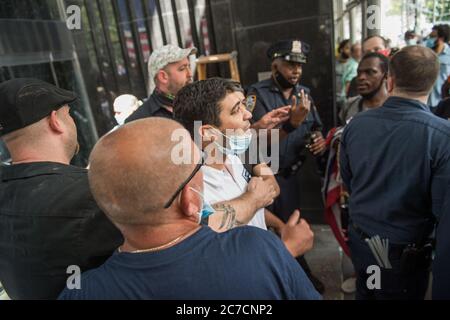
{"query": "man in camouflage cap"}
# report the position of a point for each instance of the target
(168, 71)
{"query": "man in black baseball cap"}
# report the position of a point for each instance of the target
(25, 101)
(48, 218)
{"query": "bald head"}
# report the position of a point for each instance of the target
(133, 171)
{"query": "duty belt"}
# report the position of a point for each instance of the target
(293, 169)
(396, 249)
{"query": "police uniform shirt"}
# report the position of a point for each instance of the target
(441, 263)
(228, 184)
(266, 96)
(395, 162)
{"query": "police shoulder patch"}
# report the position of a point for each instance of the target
(251, 103)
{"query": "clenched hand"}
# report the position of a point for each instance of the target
(297, 235)
(262, 192)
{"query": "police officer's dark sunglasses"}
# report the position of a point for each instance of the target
(181, 187)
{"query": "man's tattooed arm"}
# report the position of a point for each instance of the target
(229, 219)
(233, 213)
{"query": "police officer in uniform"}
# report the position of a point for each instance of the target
(395, 163)
(301, 131)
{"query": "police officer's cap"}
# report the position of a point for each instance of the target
(289, 50)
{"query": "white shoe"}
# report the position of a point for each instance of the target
(349, 285)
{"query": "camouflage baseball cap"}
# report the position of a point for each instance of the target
(163, 56)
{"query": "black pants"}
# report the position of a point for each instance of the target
(396, 284)
(289, 198)
(286, 203)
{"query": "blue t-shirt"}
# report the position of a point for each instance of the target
(243, 263)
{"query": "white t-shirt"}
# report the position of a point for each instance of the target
(228, 184)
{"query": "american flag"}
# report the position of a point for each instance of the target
(144, 44)
(332, 190)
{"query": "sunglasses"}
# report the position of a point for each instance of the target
(181, 187)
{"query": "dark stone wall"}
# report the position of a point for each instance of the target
(250, 27)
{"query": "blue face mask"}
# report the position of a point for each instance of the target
(238, 144)
(431, 43)
(207, 210)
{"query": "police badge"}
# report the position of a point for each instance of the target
(296, 46)
(251, 103)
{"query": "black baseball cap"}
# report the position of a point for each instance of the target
(24, 101)
(289, 50)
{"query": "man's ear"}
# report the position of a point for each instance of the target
(55, 123)
(390, 84)
(189, 203)
(162, 76)
(274, 67)
(206, 133)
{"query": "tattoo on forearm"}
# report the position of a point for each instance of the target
(229, 219)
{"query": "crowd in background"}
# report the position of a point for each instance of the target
(140, 226)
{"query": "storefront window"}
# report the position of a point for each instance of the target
(140, 23)
(121, 68)
(169, 23)
(125, 25)
(184, 22)
(154, 23)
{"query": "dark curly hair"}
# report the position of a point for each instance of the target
(383, 60)
(200, 101)
(443, 31)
